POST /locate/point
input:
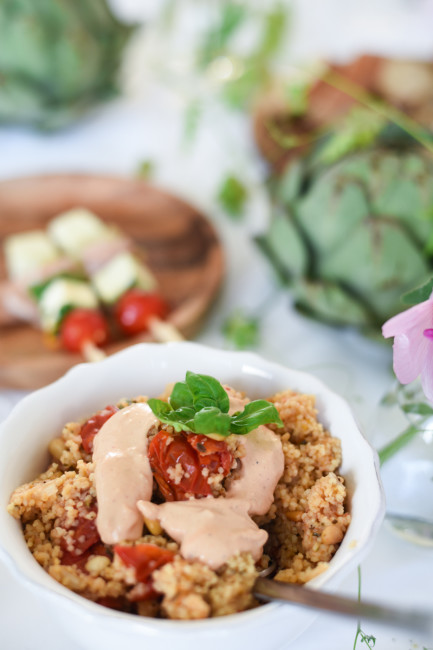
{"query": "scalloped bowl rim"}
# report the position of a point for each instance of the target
(194, 356)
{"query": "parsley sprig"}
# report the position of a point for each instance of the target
(201, 405)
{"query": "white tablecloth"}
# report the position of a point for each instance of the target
(147, 124)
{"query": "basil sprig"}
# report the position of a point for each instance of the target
(201, 405)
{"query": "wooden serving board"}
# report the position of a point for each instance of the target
(178, 243)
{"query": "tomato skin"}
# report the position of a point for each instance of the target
(166, 451)
(145, 559)
(136, 307)
(82, 326)
(86, 542)
(90, 428)
(80, 561)
(213, 453)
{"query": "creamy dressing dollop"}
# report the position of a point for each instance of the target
(210, 530)
(261, 468)
(122, 472)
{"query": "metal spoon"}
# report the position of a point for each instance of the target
(273, 590)
(413, 529)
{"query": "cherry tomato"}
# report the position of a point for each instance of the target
(213, 453)
(86, 542)
(167, 451)
(144, 558)
(82, 326)
(80, 561)
(90, 428)
(135, 308)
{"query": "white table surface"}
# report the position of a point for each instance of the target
(146, 123)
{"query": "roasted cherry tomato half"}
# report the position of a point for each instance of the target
(81, 326)
(90, 428)
(85, 542)
(135, 308)
(69, 558)
(145, 559)
(193, 453)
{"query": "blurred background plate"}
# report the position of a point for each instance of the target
(177, 242)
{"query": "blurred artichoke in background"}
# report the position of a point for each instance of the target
(57, 58)
(351, 237)
(297, 111)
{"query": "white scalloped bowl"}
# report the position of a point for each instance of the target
(146, 369)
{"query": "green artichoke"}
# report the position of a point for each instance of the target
(352, 237)
(57, 58)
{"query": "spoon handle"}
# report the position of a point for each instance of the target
(266, 589)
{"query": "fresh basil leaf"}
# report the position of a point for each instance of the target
(254, 414)
(184, 414)
(159, 408)
(212, 420)
(181, 395)
(202, 406)
(207, 391)
(182, 419)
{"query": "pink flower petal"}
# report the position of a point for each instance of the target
(409, 353)
(420, 315)
(427, 373)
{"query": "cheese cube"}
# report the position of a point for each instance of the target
(121, 273)
(61, 294)
(27, 253)
(76, 229)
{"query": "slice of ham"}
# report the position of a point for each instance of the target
(16, 305)
(101, 252)
(47, 271)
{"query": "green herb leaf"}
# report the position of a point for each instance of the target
(254, 414)
(241, 330)
(232, 196)
(38, 289)
(418, 295)
(182, 419)
(207, 391)
(159, 408)
(181, 395)
(202, 405)
(146, 169)
(210, 420)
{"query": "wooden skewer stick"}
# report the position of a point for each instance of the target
(164, 332)
(92, 353)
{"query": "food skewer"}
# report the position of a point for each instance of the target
(123, 284)
(66, 279)
(48, 288)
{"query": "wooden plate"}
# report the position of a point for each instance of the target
(179, 245)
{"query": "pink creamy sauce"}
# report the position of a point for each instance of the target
(122, 472)
(211, 530)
